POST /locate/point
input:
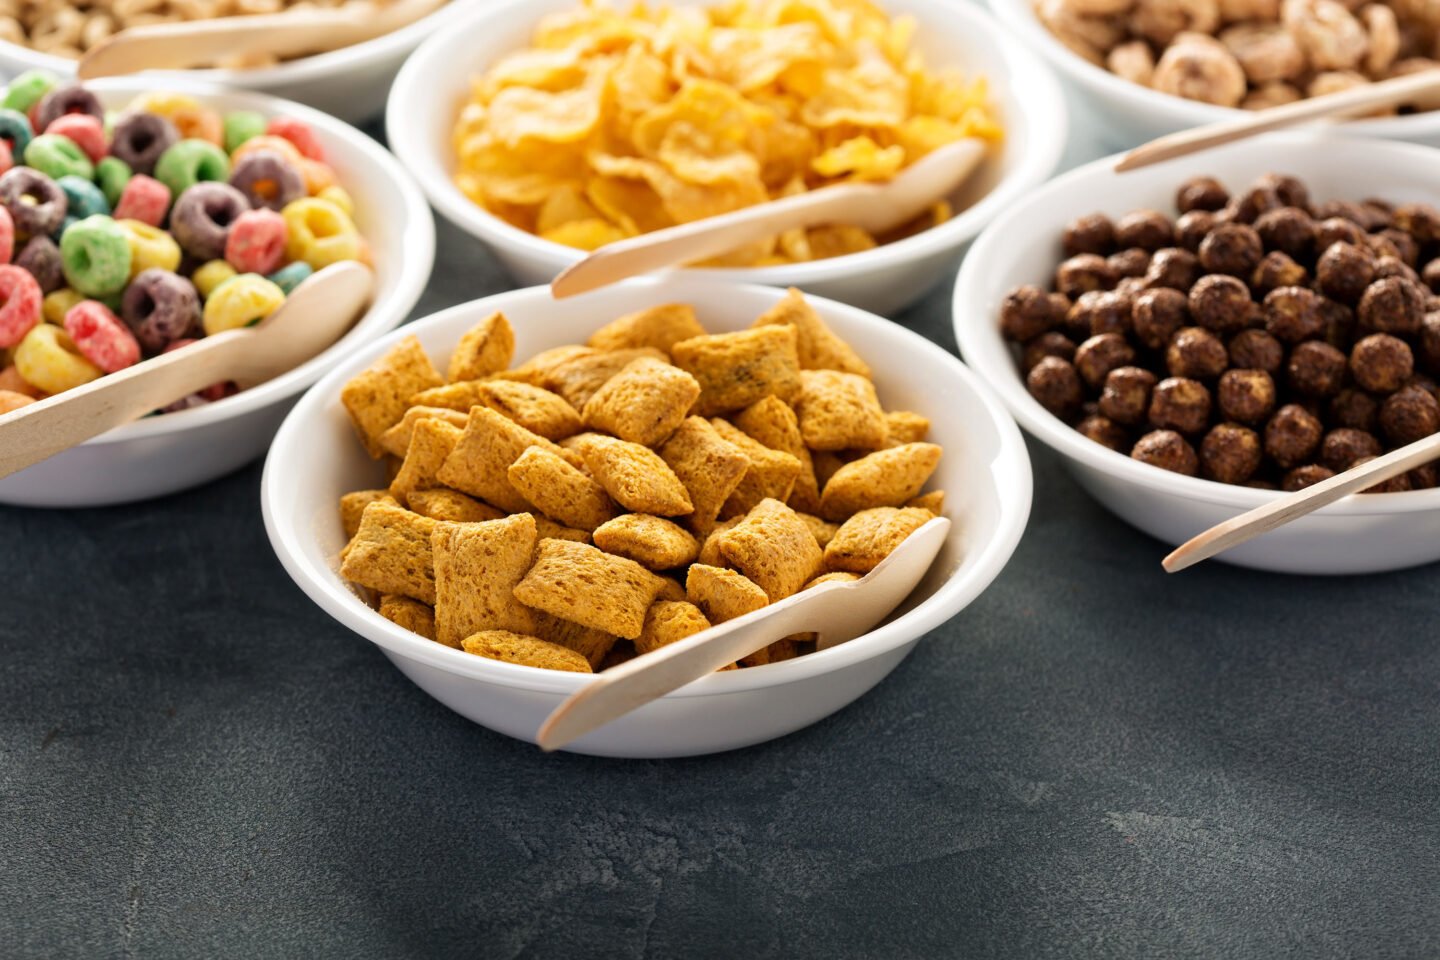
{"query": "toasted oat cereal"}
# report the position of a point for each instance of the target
(390, 553)
(885, 478)
(459, 396)
(904, 426)
(594, 645)
(534, 408)
(440, 503)
(550, 530)
(836, 576)
(772, 423)
(839, 411)
(378, 396)
(774, 548)
(537, 369)
(524, 650)
(870, 536)
(653, 542)
(658, 327)
(670, 589)
(635, 477)
(934, 501)
(736, 369)
(477, 565)
(817, 347)
(666, 622)
(709, 466)
(710, 553)
(480, 462)
(411, 614)
(772, 473)
(577, 379)
(643, 403)
(396, 440)
(485, 349)
(823, 530)
(430, 443)
(577, 582)
(352, 506)
(559, 490)
(724, 595)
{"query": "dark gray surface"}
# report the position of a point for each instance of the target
(1091, 760)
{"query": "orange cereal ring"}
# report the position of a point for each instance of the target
(280, 145)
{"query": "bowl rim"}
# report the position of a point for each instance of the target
(983, 348)
(1010, 467)
(1046, 117)
(413, 272)
(1020, 15)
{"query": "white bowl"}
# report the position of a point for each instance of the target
(434, 82)
(1133, 114)
(985, 471)
(162, 454)
(349, 83)
(1361, 534)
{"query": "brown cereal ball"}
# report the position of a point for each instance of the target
(1344, 271)
(1129, 263)
(1430, 274)
(1306, 476)
(1201, 193)
(1288, 230)
(1424, 383)
(1292, 435)
(1146, 229)
(1157, 314)
(1276, 270)
(1091, 234)
(1339, 323)
(1174, 268)
(1196, 353)
(1337, 230)
(1398, 244)
(1100, 311)
(1290, 189)
(1256, 350)
(1082, 273)
(1232, 248)
(1221, 303)
(1344, 445)
(1057, 386)
(1247, 207)
(1366, 218)
(1028, 312)
(1179, 403)
(1420, 220)
(1378, 214)
(1409, 414)
(1316, 369)
(1292, 314)
(1392, 305)
(1191, 228)
(1355, 409)
(1245, 396)
(1096, 357)
(1126, 397)
(1429, 342)
(1230, 453)
(1381, 363)
(1388, 266)
(1051, 344)
(1394, 485)
(1167, 450)
(1105, 432)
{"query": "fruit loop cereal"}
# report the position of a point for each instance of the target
(602, 500)
(123, 237)
(615, 123)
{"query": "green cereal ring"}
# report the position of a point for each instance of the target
(26, 90)
(57, 156)
(188, 162)
(95, 255)
(15, 127)
(240, 126)
(112, 174)
(289, 277)
(82, 198)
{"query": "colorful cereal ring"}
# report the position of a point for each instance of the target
(95, 255)
(241, 302)
(112, 174)
(320, 233)
(57, 156)
(150, 247)
(299, 133)
(7, 236)
(240, 126)
(26, 90)
(190, 162)
(160, 307)
(145, 199)
(58, 303)
(82, 197)
(20, 295)
(291, 275)
(100, 336)
(256, 243)
(49, 359)
(16, 130)
(210, 275)
(87, 132)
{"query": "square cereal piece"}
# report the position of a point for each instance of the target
(534, 408)
(410, 614)
(823, 530)
(525, 650)
(559, 490)
(837, 576)
(396, 440)
(885, 478)
(480, 462)
(670, 589)
(577, 379)
(839, 411)
(352, 506)
(477, 565)
(577, 582)
(708, 465)
(594, 645)
(485, 350)
(537, 369)
(736, 369)
(772, 473)
(391, 552)
(652, 542)
(635, 477)
(667, 622)
(643, 403)
(869, 537)
(550, 530)
(378, 396)
(459, 396)
(658, 327)
(934, 501)
(724, 595)
(710, 553)
(441, 503)
(817, 345)
(903, 426)
(771, 422)
(774, 548)
(430, 443)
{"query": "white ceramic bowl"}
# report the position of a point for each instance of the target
(985, 470)
(1133, 114)
(349, 83)
(1361, 534)
(162, 454)
(427, 95)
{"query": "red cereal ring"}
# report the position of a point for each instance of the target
(145, 199)
(7, 235)
(299, 133)
(20, 294)
(100, 336)
(7, 156)
(256, 242)
(87, 132)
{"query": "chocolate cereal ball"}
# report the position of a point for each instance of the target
(1129, 263)
(1157, 314)
(1420, 220)
(1105, 432)
(1381, 363)
(1232, 248)
(1356, 409)
(1167, 450)
(1430, 274)
(1191, 228)
(1174, 268)
(1051, 344)
(1316, 369)
(1394, 485)
(1028, 312)
(1339, 323)
(1344, 271)
(1126, 397)
(1083, 273)
(1406, 247)
(1100, 311)
(1292, 314)
(1429, 342)
(1306, 476)
(1245, 396)
(1221, 303)
(1292, 436)
(1337, 230)
(1288, 230)
(1091, 234)
(1179, 403)
(1230, 453)
(1146, 229)
(1201, 193)
(1196, 353)
(1096, 357)
(1409, 414)
(1290, 189)
(1390, 266)
(1344, 445)
(1057, 386)
(1276, 269)
(1256, 350)
(1247, 207)
(1392, 305)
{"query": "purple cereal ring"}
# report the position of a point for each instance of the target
(42, 258)
(68, 99)
(267, 179)
(35, 202)
(160, 307)
(201, 218)
(140, 138)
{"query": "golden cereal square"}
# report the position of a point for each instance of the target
(560, 491)
(441, 503)
(839, 411)
(934, 501)
(396, 440)
(459, 396)
(774, 548)
(709, 466)
(838, 576)
(352, 507)
(484, 350)
(903, 426)
(594, 645)
(577, 379)
(477, 566)
(667, 622)
(823, 530)
(710, 552)
(657, 327)
(869, 537)
(430, 443)
(534, 408)
(635, 477)
(736, 369)
(577, 582)
(652, 542)
(378, 396)
(480, 462)
(724, 595)
(536, 370)
(410, 614)
(772, 423)
(772, 473)
(885, 478)
(525, 650)
(643, 403)
(817, 345)
(391, 552)
(670, 589)
(550, 530)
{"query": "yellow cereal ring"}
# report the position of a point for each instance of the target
(49, 359)
(339, 196)
(319, 233)
(210, 275)
(240, 302)
(150, 247)
(164, 102)
(57, 304)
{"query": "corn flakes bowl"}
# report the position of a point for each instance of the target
(316, 458)
(432, 89)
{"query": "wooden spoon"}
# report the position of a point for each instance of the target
(1422, 87)
(314, 316)
(195, 43)
(837, 612)
(876, 207)
(1277, 513)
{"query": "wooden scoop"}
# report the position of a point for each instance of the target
(314, 316)
(197, 43)
(837, 612)
(876, 207)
